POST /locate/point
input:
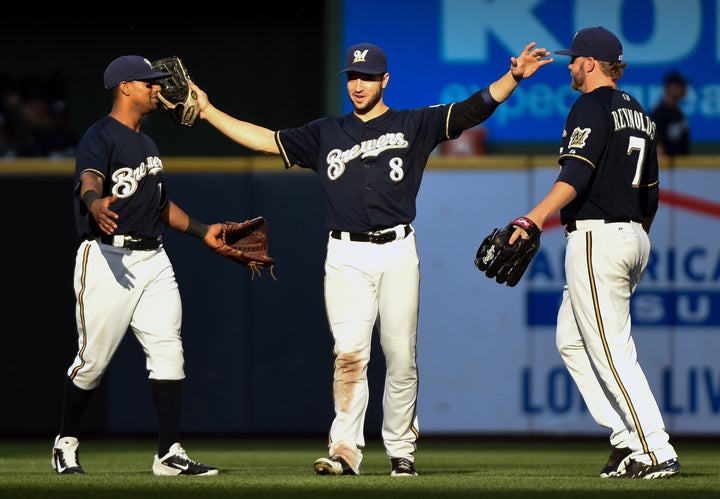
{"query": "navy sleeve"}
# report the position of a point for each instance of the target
(586, 131)
(472, 111)
(299, 146)
(576, 173)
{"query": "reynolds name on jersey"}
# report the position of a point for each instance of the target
(634, 119)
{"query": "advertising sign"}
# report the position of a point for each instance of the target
(441, 51)
(487, 353)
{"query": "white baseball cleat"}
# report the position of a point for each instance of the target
(65, 458)
(335, 465)
(177, 462)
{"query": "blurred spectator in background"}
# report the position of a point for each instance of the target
(673, 128)
(34, 119)
(9, 102)
(6, 147)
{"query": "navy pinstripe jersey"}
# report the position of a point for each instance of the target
(610, 132)
(130, 165)
(370, 171)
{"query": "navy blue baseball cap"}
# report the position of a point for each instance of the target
(597, 43)
(365, 58)
(128, 68)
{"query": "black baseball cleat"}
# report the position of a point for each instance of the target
(65, 459)
(335, 465)
(614, 460)
(177, 462)
(402, 466)
(636, 469)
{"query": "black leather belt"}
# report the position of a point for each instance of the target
(572, 226)
(376, 237)
(132, 242)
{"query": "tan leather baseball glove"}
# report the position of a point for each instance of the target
(247, 244)
(177, 99)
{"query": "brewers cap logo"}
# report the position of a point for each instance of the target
(360, 55)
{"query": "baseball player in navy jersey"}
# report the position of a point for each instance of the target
(123, 277)
(370, 163)
(607, 195)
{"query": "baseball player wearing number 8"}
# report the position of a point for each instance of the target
(123, 276)
(370, 163)
(607, 195)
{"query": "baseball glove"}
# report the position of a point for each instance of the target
(247, 244)
(177, 100)
(504, 261)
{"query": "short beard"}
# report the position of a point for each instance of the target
(578, 79)
(370, 104)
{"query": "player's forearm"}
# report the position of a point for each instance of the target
(502, 88)
(252, 136)
(471, 111)
(175, 217)
(91, 188)
(558, 197)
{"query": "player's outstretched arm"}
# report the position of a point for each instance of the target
(559, 196)
(522, 66)
(175, 217)
(252, 136)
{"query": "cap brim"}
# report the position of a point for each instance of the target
(353, 70)
(566, 52)
(154, 75)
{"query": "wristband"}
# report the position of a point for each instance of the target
(89, 198)
(196, 229)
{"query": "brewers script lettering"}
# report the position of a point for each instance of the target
(337, 159)
(126, 179)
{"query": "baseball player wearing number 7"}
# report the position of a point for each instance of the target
(370, 163)
(607, 195)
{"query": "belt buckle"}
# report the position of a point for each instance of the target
(382, 237)
(118, 241)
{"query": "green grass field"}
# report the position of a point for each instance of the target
(121, 468)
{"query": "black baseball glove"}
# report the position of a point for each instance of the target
(177, 99)
(504, 261)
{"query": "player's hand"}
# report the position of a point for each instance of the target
(103, 215)
(520, 233)
(529, 61)
(213, 237)
(202, 100)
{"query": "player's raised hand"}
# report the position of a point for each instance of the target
(202, 99)
(529, 61)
